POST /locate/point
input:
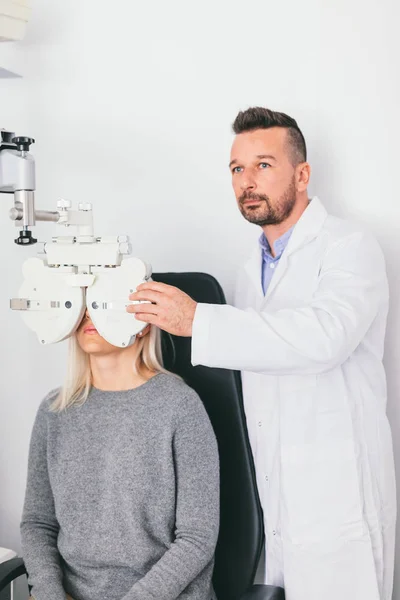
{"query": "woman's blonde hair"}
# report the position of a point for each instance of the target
(79, 377)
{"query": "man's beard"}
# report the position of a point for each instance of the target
(265, 213)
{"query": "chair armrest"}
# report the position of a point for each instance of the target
(264, 592)
(10, 570)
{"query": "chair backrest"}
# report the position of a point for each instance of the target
(241, 531)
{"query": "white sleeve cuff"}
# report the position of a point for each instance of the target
(200, 334)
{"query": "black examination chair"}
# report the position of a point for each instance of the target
(241, 531)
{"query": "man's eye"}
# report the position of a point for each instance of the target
(264, 165)
(237, 169)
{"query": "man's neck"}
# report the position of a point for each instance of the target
(274, 232)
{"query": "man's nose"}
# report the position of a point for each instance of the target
(248, 183)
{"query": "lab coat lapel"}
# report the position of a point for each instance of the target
(253, 269)
(306, 229)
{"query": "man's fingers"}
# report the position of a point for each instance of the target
(151, 319)
(149, 295)
(155, 286)
(143, 307)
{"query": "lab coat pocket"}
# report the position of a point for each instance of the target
(320, 492)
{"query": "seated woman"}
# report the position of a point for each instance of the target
(122, 497)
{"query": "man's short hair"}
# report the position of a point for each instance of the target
(258, 117)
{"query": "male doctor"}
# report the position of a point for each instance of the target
(307, 331)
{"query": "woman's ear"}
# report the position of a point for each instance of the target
(144, 332)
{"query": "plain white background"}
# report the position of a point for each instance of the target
(131, 105)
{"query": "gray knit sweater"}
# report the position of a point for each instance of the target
(122, 498)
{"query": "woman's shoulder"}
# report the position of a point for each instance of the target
(169, 382)
(49, 399)
(184, 406)
(176, 390)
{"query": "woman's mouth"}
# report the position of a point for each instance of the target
(90, 330)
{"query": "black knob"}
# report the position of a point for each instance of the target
(23, 143)
(25, 238)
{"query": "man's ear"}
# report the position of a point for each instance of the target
(302, 175)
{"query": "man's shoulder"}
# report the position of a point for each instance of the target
(353, 239)
(338, 228)
(337, 232)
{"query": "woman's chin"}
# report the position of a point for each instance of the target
(97, 347)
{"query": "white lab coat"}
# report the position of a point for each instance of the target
(310, 353)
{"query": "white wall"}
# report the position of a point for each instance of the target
(131, 110)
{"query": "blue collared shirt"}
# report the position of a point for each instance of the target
(270, 263)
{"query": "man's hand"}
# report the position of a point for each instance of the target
(171, 309)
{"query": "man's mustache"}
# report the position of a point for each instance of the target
(251, 196)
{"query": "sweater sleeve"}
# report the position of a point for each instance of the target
(39, 526)
(197, 508)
